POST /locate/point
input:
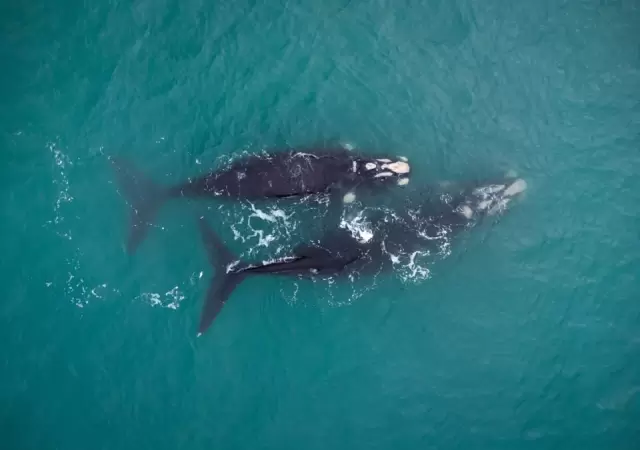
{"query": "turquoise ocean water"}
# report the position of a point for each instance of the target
(526, 336)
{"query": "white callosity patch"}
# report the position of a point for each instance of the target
(370, 166)
(349, 197)
(496, 197)
(400, 167)
(517, 187)
(383, 174)
(355, 167)
(466, 211)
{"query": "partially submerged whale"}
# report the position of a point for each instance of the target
(339, 252)
(274, 174)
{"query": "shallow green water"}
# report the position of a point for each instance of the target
(527, 335)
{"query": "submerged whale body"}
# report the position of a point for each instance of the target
(274, 174)
(339, 252)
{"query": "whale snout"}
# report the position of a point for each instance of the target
(493, 198)
(385, 170)
(399, 167)
(515, 188)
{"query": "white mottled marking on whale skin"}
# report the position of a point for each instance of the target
(466, 211)
(397, 167)
(383, 174)
(349, 197)
(370, 166)
(403, 181)
(515, 188)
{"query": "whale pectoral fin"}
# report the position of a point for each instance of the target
(222, 282)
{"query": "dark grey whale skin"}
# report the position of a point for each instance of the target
(435, 219)
(278, 173)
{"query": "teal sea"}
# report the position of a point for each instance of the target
(527, 335)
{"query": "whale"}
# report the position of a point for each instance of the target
(272, 174)
(434, 221)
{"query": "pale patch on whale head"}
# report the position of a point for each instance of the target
(383, 160)
(400, 167)
(403, 181)
(349, 197)
(515, 188)
(355, 166)
(383, 174)
(370, 166)
(466, 211)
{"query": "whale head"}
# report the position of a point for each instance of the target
(383, 170)
(492, 198)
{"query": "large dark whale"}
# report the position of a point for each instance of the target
(339, 251)
(272, 174)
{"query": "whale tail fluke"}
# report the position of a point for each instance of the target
(144, 196)
(223, 282)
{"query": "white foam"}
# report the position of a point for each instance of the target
(77, 289)
(170, 299)
(358, 227)
(260, 214)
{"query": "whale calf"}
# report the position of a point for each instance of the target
(339, 252)
(273, 174)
